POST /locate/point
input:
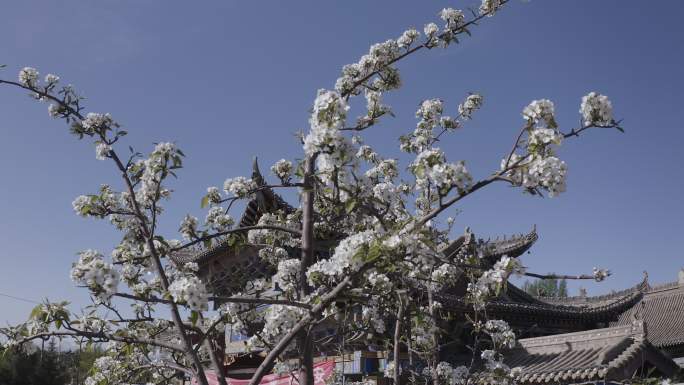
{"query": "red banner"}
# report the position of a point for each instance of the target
(322, 372)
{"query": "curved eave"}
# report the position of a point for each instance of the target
(591, 301)
(512, 247)
(601, 313)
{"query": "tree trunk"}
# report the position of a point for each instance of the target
(305, 343)
(397, 341)
(218, 366)
(435, 340)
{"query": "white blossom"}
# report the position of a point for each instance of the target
(287, 276)
(51, 79)
(327, 117)
(102, 151)
(191, 291)
(489, 7)
(408, 37)
(430, 29)
(218, 220)
(188, 227)
(444, 274)
(501, 333)
(548, 173)
(600, 274)
(94, 121)
(282, 169)
(542, 109)
(91, 270)
(596, 109)
(343, 259)
(28, 76)
(273, 254)
(453, 17)
(213, 195)
(54, 110)
(80, 204)
(472, 103)
(430, 110)
(240, 186)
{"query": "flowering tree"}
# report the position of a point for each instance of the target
(390, 253)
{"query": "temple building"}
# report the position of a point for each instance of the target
(636, 332)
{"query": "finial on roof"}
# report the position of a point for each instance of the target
(680, 277)
(256, 174)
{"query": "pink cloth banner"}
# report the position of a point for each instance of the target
(322, 372)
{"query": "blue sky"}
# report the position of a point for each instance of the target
(228, 80)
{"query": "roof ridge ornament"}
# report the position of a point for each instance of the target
(256, 174)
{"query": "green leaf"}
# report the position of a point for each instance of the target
(350, 205)
(194, 316)
(205, 201)
(36, 311)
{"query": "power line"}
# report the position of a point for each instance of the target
(19, 298)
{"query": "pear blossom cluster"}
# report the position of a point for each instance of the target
(600, 274)
(102, 151)
(28, 76)
(278, 321)
(548, 173)
(287, 276)
(371, 314)
(446, 374)
(539, 168)
(407, 38)
(541, 137)
(443, 275)
(471, 104)
(282, 169)
(190, 290)
(541, 110)
(430, 29)
(218, 220)
(453, 18)
(377, 61)
(379, 281)
(500, 333)
(188, 227)
(431, 169)
(430, 117)
(327, 117)
(497, 371)
(343, 260)
(489, 7)
(596, 109)
(153, 170)
(99, 276)
(95, 122)
(105, 368)
(491, 281)
(275, 238)
(240, 186)
(213, 195)
(273, 255)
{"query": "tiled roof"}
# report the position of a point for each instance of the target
(512, 247)
(662, 308)
(589, 301)
(614, 353)
(511, 308)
